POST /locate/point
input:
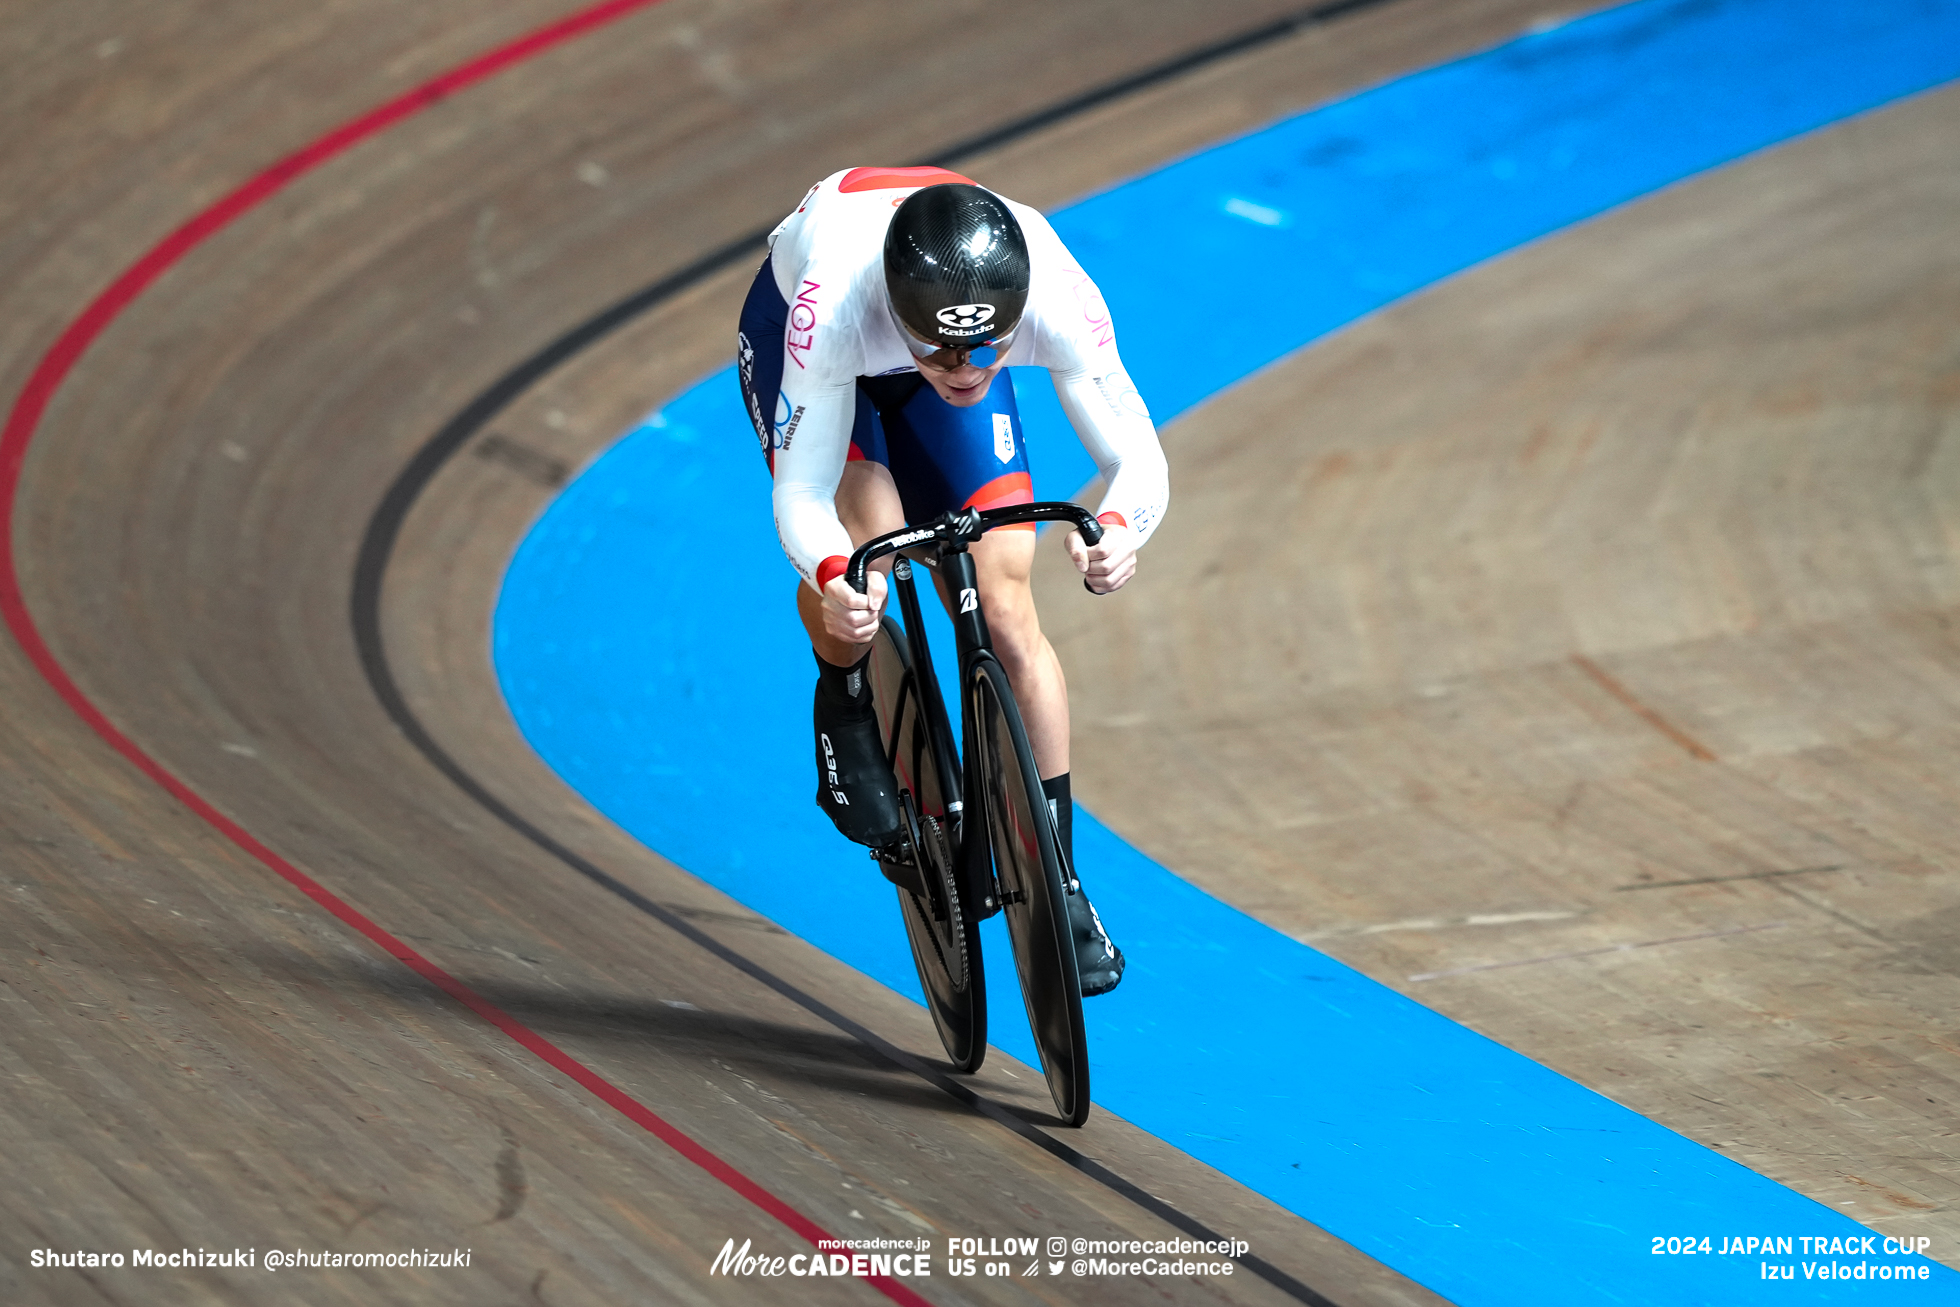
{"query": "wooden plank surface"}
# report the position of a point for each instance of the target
(195, 1054)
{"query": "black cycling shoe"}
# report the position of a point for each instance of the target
(1099, 961)
(855, 785)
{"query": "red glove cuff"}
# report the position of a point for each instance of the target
(830, 569)
(1111, 518)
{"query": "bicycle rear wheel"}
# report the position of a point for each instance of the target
(945, 939)
(1028, 869)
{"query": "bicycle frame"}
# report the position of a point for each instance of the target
(949, 537)
(1007, 854)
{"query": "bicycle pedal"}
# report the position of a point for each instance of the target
(899, 870)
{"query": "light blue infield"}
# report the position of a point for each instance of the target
(645, 643)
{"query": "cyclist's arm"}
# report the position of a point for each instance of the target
(1109, 417)
(1075, 340)
(808, 467)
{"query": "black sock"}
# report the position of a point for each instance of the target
(847, 683)
(1059, 804)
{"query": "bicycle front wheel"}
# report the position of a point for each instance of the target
(945, 940)
(1028, 869)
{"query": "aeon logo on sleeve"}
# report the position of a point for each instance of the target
(1095, 312)
(801, 331)
(964, 317)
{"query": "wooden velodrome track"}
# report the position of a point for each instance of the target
(1688, 624)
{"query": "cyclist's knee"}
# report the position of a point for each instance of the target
(1018, 640)
(1011, 616)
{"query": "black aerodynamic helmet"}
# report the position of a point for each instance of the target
(956, 265)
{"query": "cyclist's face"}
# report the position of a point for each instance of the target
(958, 381)
(957, 375)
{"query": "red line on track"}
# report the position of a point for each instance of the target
(25, 418)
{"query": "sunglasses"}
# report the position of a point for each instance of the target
(932, 355)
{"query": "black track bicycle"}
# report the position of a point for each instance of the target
(979, 837)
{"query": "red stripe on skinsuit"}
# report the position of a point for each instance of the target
(889, 179)
(1008, 488)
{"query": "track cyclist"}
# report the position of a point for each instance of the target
(872, 348)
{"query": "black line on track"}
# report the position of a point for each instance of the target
(384, 528)
(1190, 61)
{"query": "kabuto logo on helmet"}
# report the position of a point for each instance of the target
(956, 265)
(965, 315)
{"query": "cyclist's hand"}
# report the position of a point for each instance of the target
(1109, 563)
(850, 616)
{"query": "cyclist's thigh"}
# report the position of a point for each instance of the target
(759, 368)
(868, 503)
(1003, 563)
